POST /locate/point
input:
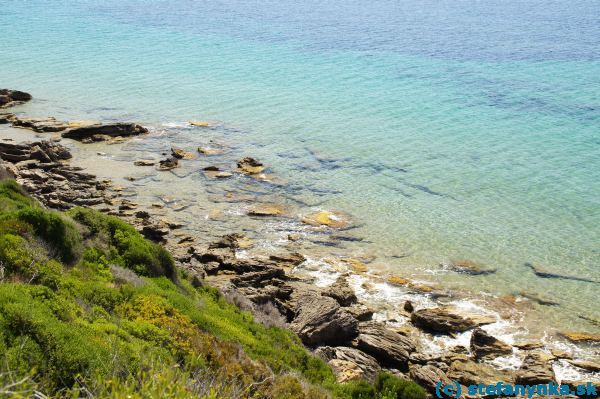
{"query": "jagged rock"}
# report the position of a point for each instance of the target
(428, 377)
(468, 373)
(388, 347)
(168, 164)
(250, 166)
(360, 312)
(112, 130)
(341, 291)
(536, 369)
(484, 345)
(215, 172)
(320, 320)
(357, 364)
(529, 345)
(469, 267)
(181, 154)
(154, 232)
(258, 278)
(408, 306)
(287, 259)
(223, 256)
(447, 320)
(234, 241)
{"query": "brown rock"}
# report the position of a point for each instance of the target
(484, 345)
(586, 365)
(577, 337)
(447, 320)
(168, 164)
(267, 210)
(250, 166)
(536, 369)
(335, 220)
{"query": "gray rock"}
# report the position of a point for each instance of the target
(447, 320)
(536, 369)
(367, 364)
(341, 291)
(320, 320)
(388, 347)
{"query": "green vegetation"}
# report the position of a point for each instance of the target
(89, 308)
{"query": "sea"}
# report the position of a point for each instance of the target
(447, 130)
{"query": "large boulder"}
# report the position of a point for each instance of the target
(483, 345)
(536, 369)
(448, 320)
(111, 130)
(341, 291)
(389, 347)
(353, 360)
(320, 320)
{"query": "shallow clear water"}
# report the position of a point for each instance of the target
(448, 129)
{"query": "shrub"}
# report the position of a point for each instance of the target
(14, 254)
(12, 196)
(54, 229)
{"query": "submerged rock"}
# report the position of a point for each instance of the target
(209, 151)
(250, 166)
(144, 163)
(540, 272)
(484, 345)
(448, 320)
(168, 164)
(267, 210)
(325, 218)
(469, 267)
(199, 123)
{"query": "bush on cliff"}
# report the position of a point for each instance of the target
(89, 308)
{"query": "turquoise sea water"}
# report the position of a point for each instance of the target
(447, 129)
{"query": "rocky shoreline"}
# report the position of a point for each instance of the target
(330, 320)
